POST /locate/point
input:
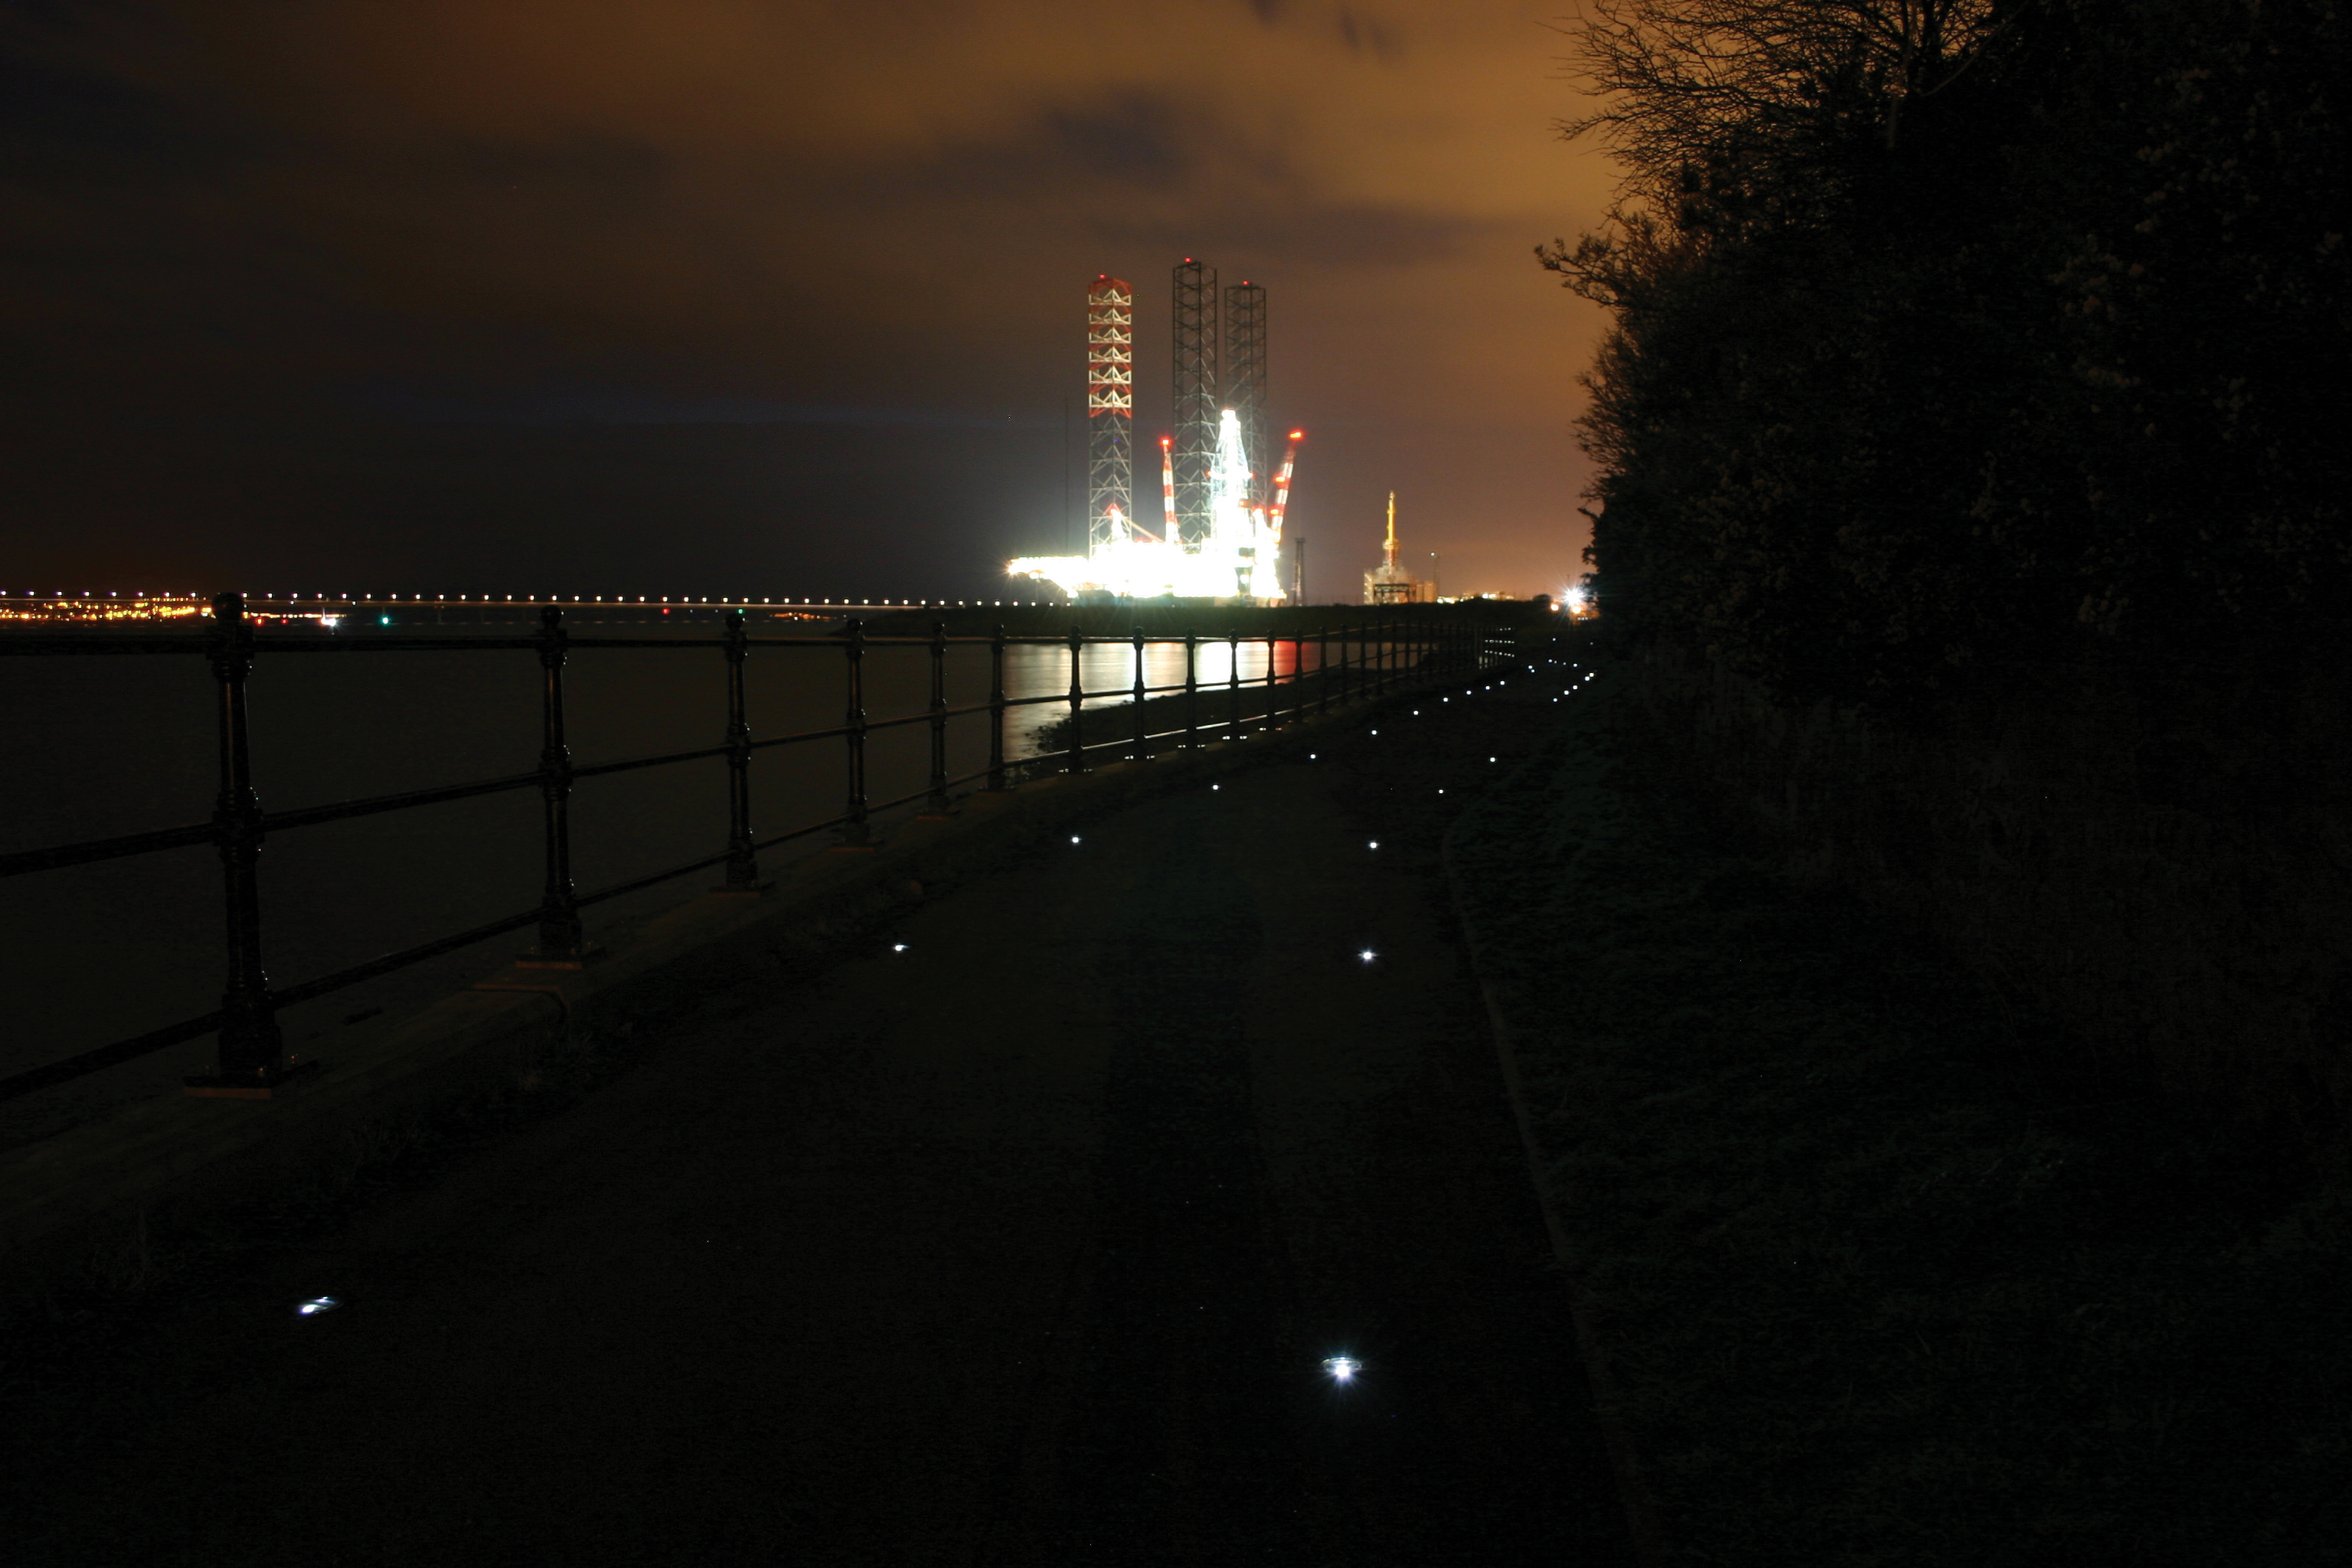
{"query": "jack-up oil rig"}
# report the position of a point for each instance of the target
(1221, 502)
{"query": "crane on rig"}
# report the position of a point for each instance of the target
(1282, 480)
(1167, 486)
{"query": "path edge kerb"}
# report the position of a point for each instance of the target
(93, 1205)
(1639, 1508)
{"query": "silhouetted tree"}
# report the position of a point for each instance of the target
(1883, 416)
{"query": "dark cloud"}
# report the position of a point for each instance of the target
(1137, 138)
(1131, 141)
(1369, 35)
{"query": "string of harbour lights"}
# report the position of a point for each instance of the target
(182, 604)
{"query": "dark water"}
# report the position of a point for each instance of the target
(105, 745)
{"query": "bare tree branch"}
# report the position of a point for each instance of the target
(1680, 82)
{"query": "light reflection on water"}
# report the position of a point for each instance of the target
(1034, 671)
(115, 745)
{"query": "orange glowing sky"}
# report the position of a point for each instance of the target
(411, 288)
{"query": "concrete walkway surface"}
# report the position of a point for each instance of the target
(1015, 1234)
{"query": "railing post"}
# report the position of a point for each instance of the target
(1234, 687)
(559, 942)
(855, 833)
(996, 712)
(938, 802)
(1078, 700)
(742, 869)
(1272, 697)
(1277, 692)
(1297, 678)
(1142, 728)
(1323, 667)
(1192, 690)
(250, 1058)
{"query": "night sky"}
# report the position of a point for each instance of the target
(754, 297)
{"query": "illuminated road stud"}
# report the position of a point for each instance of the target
(1342, 1368)
(317, 1305)
(898, 947)
(1367, 955)
(1376, 844)
(1074, 838)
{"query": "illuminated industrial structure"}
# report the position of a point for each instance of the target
(1390, 583)
(1221, 510)
(1194, 411)
(1110, 411)
(1243, 377)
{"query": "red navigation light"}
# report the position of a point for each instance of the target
(1298, 435)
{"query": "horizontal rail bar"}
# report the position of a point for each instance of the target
(873, 724)
(104, 1056)
(798, 832)
(311, 989)
(266, 641)
(306, 815)
(92, 849)
(618, 889)
(378, 642)
(597, 769)
(804, 735)
(101, 642)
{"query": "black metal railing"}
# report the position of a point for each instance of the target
(1375, 655)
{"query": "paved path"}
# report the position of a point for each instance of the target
(1021, 1247)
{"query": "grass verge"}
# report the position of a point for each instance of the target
(1880, 1281)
